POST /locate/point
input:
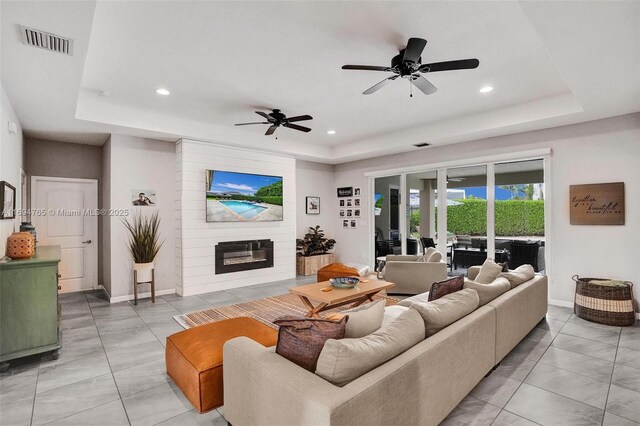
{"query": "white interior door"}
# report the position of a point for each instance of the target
(63, 212)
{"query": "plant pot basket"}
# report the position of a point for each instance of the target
(309, 265)
(604, 304)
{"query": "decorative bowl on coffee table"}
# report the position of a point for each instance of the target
(344, 282)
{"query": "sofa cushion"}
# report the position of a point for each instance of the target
(392, 312)
(364, 319)
(442, 288)
(344, 360)
(488, 292)
(521, 274)
(418, 298)
(428, 252)
(435, 257)
(300, 340)
(440, 313)
(488, 272)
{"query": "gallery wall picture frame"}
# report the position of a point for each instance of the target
(356, 202)
(597, 204)
(342, 213)
(341, 203)
(356, 192)
(345, 191)
(353, 223)
(356, 212)
(7, 200)
(349, 212)
(313, 205)
(345, 223)
(349, 202)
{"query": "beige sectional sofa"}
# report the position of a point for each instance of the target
(421, 386)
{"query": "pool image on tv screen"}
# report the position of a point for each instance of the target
(243, 197)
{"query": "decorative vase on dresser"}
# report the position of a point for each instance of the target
(29, 309)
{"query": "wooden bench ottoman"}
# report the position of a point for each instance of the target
(194, 357)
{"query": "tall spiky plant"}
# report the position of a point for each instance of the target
(144, 237)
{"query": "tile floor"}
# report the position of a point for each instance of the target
(111, 370)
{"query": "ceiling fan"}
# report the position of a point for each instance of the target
(276, 119)
(408, 65)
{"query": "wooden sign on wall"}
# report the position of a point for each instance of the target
(597, 204)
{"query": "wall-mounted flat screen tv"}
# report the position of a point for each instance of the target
(243, 197)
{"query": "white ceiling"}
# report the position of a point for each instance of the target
(551, 63)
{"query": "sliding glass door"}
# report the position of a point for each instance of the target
(519, 212)
(469, 213)
(467, 216)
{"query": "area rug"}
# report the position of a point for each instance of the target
(263, 310)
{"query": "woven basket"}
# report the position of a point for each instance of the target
(604, 304)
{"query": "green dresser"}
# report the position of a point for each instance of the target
(29, 310)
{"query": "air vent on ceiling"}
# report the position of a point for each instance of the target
(45, 40)
(421, 145)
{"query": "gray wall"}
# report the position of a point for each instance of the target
(67, 160)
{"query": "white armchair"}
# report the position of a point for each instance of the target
(411, 275)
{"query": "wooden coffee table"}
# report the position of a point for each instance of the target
(325, 300)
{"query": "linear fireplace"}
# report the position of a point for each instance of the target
(234, 256)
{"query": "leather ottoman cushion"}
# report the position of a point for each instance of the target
(194, 357)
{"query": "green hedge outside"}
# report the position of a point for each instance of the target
(513, 217)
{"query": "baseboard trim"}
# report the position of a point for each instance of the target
(140, 295)
(561, 303)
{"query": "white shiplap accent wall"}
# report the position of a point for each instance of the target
(196, 239)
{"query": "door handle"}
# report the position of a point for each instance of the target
(86, 242)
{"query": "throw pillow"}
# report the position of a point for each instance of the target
(435, 257)
(442, 288)
(342, 361)
(519, 275)
(447, 310)
(300, 340)
(488, 272)
(391, 313)
(488, 292)
(428, 253)
(364, 319)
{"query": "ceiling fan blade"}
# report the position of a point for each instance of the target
(270, 130)
(265, 115)
(423, 84)
(414, 49)
(366, 68)
(299, 118)
(380, 85)
(246, 124)
(296, 127)
(462, 64)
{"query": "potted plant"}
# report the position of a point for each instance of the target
(144, 244)
(313, 251)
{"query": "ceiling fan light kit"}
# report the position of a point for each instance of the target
(408, 65)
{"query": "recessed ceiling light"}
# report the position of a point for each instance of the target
(331, 132)
(486, 89)
(163, 92)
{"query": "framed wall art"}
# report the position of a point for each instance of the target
(313, 205)
(597, 204)
(7, 200)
